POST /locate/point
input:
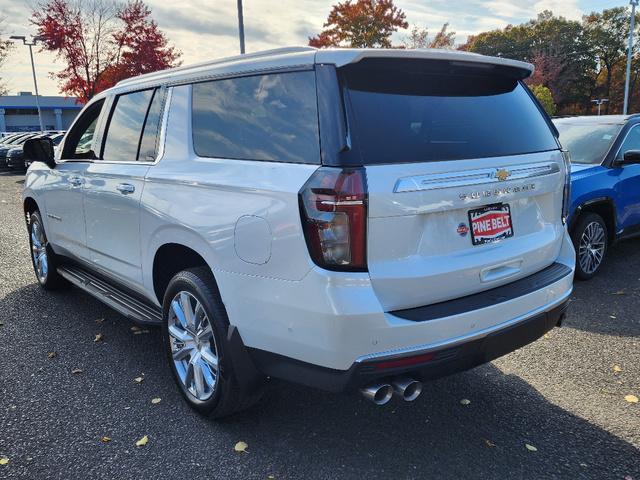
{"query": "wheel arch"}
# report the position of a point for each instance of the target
(29, 206)
(603, 206)
(169, 259)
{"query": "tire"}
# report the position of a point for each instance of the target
(45, 262)
(211, 391)
(591, 242)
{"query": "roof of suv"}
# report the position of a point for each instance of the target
(597, 119)
(296, 57)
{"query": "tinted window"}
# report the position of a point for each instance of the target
(631, 142)
(125, 126)
(266, 117)
(431, 111)
(149, 141)
(587, 143)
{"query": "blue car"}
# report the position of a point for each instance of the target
(605, 184)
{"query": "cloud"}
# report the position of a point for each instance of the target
(565, 8)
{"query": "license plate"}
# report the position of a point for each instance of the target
(490, 223)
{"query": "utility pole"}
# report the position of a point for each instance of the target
(241, 25)
(599, 103)
(30, 44)
(634, 4)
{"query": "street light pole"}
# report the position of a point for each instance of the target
(33, 71)
(599, 102)
(634, 4)
(241, 25)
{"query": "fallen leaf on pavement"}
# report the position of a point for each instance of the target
(241, 447)
(98, 337)
(617, 369)
(99, 320)
(489, 443)
(52, 354)
(465, 401)
(105, 439)
(4, 461)
(156, 400)
(76, 370)
(138, 379)
(142, 442)
(531, 448)
(631, 398)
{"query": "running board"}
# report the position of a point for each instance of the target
(123, 303)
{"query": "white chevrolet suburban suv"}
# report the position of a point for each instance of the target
(349, 219)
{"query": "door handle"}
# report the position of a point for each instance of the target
(76, 181)
(125, 188)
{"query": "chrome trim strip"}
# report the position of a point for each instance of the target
(449, 343)
(473, 177)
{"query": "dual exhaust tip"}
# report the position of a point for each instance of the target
(380, 393)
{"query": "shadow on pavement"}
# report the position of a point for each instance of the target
(294, 432)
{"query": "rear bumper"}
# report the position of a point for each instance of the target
(428, 363)
(334, 320)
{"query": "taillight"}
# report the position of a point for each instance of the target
(333, 206)
(566, 192)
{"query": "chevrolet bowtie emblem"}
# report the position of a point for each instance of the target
(502, 174)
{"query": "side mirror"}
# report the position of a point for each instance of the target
(40, 150)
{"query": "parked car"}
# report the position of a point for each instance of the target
(13, 158)
(344, 219)
(19, 141)
(605, 182)
(10, 138)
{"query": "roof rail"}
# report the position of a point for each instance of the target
(263, 53)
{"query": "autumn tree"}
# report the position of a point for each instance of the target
(561, 50)
(419, 38)
(5, 47)
(608, 32)
(360, 24)
(544, 96)
(101, 42)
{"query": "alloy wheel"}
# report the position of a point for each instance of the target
(39, 251)
(193, 345)
(592, 247)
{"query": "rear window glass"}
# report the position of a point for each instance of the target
(431, 111)
(264, 117)
(587, 143)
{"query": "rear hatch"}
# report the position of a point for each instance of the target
(465, 177)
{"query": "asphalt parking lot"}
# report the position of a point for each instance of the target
(554, 409)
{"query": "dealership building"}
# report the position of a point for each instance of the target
(19, 113)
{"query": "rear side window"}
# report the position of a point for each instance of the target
(426, 111)
(265, 117)
(133, 128)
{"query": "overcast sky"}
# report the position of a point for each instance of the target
(206, 29)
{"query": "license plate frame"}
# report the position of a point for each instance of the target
(493, 231)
